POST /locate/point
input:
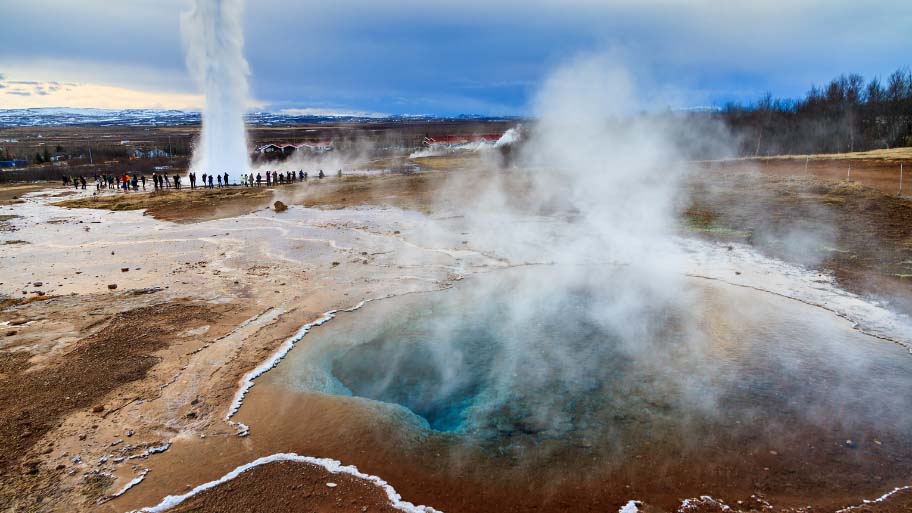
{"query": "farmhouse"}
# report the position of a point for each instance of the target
(285, 149)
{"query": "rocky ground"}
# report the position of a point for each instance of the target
(129, 320)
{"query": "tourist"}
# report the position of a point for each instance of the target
(210, 181)
(219, 180)
(259, 179)
(301, 175)
(177, 182)
(226, 179)
(142, 178)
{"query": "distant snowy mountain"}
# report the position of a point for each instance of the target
(152, 117)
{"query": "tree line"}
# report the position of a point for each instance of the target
(847, 114)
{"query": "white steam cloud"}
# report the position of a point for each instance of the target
(214, 44)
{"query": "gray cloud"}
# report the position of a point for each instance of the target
(472, 54)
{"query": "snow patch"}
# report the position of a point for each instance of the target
(330, 465)
(270, 363)
(630, 507)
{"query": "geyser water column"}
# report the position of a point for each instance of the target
(214, 43)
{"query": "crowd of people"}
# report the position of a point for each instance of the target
(161, 181)
(276, 178)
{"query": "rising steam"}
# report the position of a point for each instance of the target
(214, 44)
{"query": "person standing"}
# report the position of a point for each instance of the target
(210, 181)
(142, 179)
(259, 179)
(226, 179)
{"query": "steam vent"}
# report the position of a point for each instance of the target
(563, 257)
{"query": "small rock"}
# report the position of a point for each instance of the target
(112, 286)
(18, 321)
(851, 444)
(82, 437)
(124, 269)
(38, 284)
(279, 206)
(129, 433)
(335, 264)
(98, 408)
(76, 460)
(60, 467)
(10, 333)
(191, 415)
(331, 485)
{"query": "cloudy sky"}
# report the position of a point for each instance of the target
(443, 56)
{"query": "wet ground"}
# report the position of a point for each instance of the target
(257, 276)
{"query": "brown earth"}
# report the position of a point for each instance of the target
(877, 170)
(186, 205)
(12, 193)
(862, 235)
(290, 487)
(35, 398)
(862, 232)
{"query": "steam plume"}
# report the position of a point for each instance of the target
(214, 43)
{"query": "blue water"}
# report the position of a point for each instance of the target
(517, 359)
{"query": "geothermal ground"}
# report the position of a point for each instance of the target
(134, 325)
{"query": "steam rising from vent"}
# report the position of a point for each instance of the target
(214, 44)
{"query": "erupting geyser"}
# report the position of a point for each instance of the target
(215, 58)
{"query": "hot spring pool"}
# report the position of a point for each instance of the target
(711, 385)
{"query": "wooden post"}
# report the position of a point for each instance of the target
(900, 178)
(806, 158)
(849, 175)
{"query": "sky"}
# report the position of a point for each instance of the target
(446, 57)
